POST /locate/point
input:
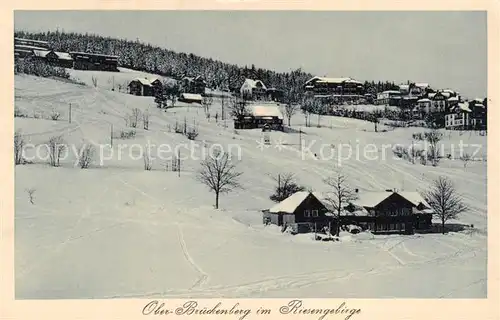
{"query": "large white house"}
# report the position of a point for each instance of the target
(253, 89)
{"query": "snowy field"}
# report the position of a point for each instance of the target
(115, 230)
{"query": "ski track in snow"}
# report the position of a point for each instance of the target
(95, 111)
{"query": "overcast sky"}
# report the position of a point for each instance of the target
(445, 49)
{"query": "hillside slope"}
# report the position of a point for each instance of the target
(116, 230)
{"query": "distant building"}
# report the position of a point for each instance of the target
(459, 117)
(38, 44)
(94, 61)
(389, 97)
(144, 86)
(303, 211)
(191, 98)
(60, 59)
(341, 87)
(253, 90)
(275, 95)
(260, 116)
(194, 85)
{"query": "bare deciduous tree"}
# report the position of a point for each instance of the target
(433, 137)
(55, 115)
(207, 102)
(146, 156)
(286, 186)
(238, 108)
(18, 147)
(219, 174)
(134, 118)
(145, 120)
(444, 200)
(340, 194)
(86, 155)
(56, 146)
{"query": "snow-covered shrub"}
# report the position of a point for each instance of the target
(54, 115)
(127, 134)
(192, 134)
(18, 113)
(31, 195)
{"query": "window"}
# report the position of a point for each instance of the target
(307, 213)
(314, 213)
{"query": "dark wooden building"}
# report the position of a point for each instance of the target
(340, 87)
(389, 212)
(303, 212)
(194, 85)
(260, 116)
(94, 61)
(59, 59)
(144, 86)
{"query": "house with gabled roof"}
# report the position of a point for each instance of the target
(389, 212)
(144, 86)
(253, 89)
(303, 211)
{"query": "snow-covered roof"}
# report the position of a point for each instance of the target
(391, 91)
(143, 81)
(404, 86)
(432, 95)
(265, 111)
(27, 47)
(31, 40)
(414, 197)
(290, 204)
(446, 94)
(373, 198)
(253, 83)
(146, 81)
(448, 90)
(63, 55)
(453, 99)
(370, 198)
(424, 100)
(192, 96)
(463, 107)
(333, 80)
(421, 85)
(41, 53)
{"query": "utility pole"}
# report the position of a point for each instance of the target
(111, 135)
(70, 113)
(279, 186)
(300, 139)
(178, 163)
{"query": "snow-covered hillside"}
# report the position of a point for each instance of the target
(115, 230)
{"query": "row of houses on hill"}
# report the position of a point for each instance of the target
(42, 51)
(380, 212)
(150, 86)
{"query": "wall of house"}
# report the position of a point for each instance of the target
(308, 205)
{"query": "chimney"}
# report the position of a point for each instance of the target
(388, 190)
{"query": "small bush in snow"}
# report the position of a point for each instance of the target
(192, 134)
(86, 156)
(31, 195)
(127, 134)
(94, 81)
(55, 115)
(56, 147)
(466, 158)
(18, 113)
